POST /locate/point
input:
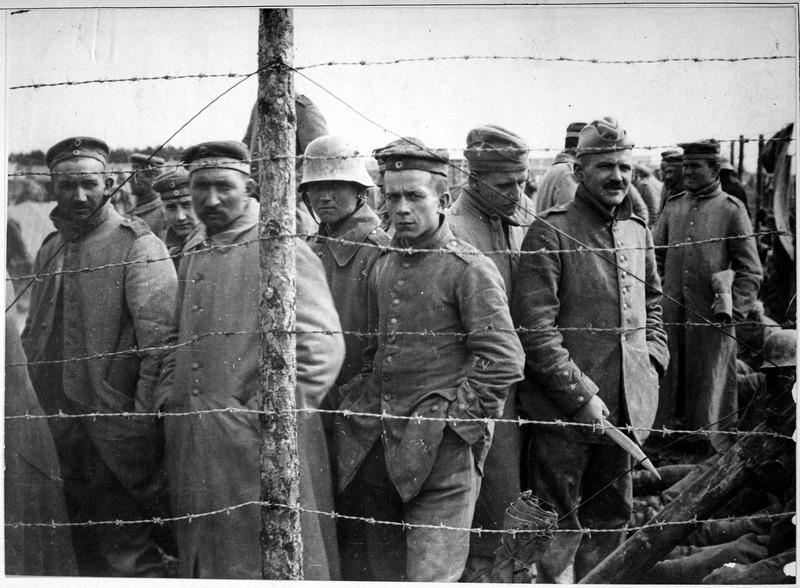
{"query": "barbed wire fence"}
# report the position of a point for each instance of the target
(579, 249)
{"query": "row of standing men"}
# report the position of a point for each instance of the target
(443, 344)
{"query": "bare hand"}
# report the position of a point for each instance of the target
(593, 412)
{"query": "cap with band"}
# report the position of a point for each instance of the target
(218, 154)
(77, 147)
(411, 153)
(604, 135)
(172, 184)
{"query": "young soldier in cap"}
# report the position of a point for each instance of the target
(110, 465)
(213, 461)
(558, 183)
(672, 174)
(182, 223)
(148, 207)
(650, 189)
(425, 472)
(700, 386)
(493, 215)
(589, 377)
(334, 185)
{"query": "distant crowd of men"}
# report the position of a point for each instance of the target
(422, 316)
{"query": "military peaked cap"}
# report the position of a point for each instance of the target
(672, 157)
(140, 159)
(707, 149)
(77, 147)
(411, 153)
(492, 148)
(218, 154)
(603, 135)
(172, 184)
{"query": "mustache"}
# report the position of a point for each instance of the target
(613, 185)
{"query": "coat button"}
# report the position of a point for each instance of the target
(434, 408)
(389, 359)
(573, 386)
(195, 365)
(387, 397)
(400, 282)
(195, 391)
(396, 301)
(392, 321)
(406, 264)
(195, 307)
(580, 399)
(565, 373)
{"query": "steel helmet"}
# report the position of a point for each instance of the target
(333, 158)
(780, 349)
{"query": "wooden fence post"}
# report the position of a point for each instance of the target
(282, 548)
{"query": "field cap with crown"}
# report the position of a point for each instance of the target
(491, 148)
(411, 153)
(707, 149)
(140, 159)
(603, 135)
(218, 154)
(672, 157)
(77, 147)
(172, 184)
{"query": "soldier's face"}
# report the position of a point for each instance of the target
(79, 185)
(607, 176)
(142, 181)
(673, 175)
(180, 215)
(413, 202)
(219, 196)
(332, 201)
(697, 173)
(502, 190)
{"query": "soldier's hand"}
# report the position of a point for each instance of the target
(593, 412)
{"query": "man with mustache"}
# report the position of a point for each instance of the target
(424, 297)
(588, 377)
(213, 459)
(182, 223)
(700, 386)
(493, 214)
(87, 328)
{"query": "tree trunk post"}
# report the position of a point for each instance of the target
(281, 545)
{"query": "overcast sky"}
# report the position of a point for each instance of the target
(438, 101)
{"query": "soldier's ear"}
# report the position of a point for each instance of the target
(444, 201)
(578, 169)
(109, 181)
(250, 186)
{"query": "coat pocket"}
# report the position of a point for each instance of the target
(467, 413)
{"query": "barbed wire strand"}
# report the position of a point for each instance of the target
(142, 351)
(39, 275)
(520, 421)
(302, 157)
(428, 59)
(373, 521)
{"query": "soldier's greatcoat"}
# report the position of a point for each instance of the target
(704, 358)
(213, 459)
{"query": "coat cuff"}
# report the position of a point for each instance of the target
(571, 389)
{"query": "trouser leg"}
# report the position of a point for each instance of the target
(447, 498)
(556, 468)
(606, 503)
(384, 545)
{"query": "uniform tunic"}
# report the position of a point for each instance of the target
(213, 459)
(703, 371)
(438, 375)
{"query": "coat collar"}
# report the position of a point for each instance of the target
(73, 229)
(437, 240)
(711, 189)
(355, 229)
(241, 225)
(584, 199)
